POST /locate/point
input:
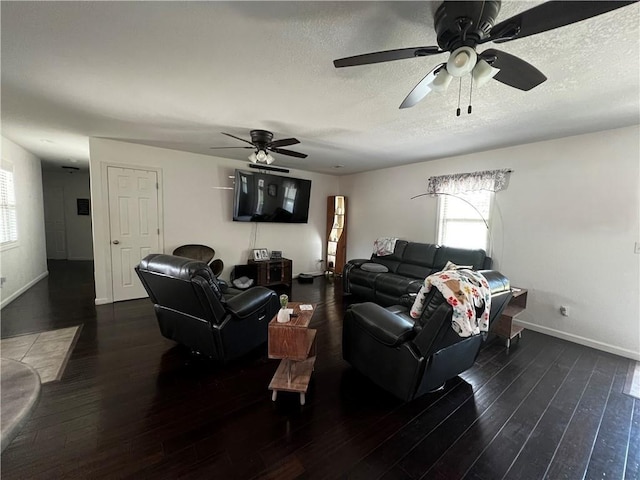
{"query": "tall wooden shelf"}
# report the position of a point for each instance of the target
(336, 233)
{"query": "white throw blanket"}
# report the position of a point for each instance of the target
(384, 246)
(464, 290)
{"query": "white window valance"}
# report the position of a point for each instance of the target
(492, 180)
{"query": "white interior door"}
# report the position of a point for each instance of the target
(54, 223)
(134, 227)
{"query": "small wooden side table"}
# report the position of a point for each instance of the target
(295, 344)
(504, 326)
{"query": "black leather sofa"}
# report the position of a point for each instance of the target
(192, 309)
(410, 357)
(408, 266)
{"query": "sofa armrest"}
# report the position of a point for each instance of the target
(408, 299)
(224, 286)
(356, 262)
(386, 327)
(249, 302)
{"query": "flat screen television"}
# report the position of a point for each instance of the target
(262, 197)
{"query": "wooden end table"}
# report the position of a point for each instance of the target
(504, 326)
(295, 344)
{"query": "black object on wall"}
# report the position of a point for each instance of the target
(84, 207)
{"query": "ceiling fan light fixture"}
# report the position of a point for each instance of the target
(269, 159)
(483, 72)
(462, 61)
(253, 157)
(261, 156)
(441, 82)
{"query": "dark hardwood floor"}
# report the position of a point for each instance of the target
(131, 404)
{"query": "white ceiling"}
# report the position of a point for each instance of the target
(176, 74)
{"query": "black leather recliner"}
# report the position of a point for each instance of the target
(410, 357)
(192, 309)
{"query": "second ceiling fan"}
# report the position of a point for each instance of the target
(463, 25)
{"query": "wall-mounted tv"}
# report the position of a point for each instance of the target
(262, 197)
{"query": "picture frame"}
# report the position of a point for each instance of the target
(260, 254)
(272, 190)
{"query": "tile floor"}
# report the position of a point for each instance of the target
(46, 352)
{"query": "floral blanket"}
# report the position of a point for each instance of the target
(464, 290)
(384, 246)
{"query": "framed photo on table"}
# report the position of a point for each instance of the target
(260, 254)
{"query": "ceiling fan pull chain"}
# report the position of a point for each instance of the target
(459, 95)
(470, 92)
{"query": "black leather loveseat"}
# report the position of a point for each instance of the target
(410, 357)
(407, 267)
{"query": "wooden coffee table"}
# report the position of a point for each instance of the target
(295, 344)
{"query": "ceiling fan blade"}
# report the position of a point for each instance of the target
(218, 148)
(285, 142)
(237, 138)
(291, 153)
(548, 16)
(514, 71)
(422, 88)
(387, 56)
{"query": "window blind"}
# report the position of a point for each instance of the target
(461, 225)
(8, 217)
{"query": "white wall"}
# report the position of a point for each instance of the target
(195, 211)
(77, 227)
(569, 221)
(24, 264)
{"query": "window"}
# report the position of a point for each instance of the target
(8, 220)
(460, 224)
(290, 193)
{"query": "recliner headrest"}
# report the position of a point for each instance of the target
(497, 282)
(173, 266)
(180, 268)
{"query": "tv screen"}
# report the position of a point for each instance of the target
(262, 197)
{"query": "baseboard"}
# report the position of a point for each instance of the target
(623, 352)
(102, 301)
(17, 293)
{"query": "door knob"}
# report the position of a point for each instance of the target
(116, 242)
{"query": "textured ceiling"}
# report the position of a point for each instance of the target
(176, 74)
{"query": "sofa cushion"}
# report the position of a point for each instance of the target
(418, 260)
(374, 267)
(420, 254)
(398, 252)
(414, 271)
(459, 256)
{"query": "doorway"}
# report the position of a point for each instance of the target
(133, 225)
(54, 224)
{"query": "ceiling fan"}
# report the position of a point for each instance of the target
(262, 143)
(463, 25)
